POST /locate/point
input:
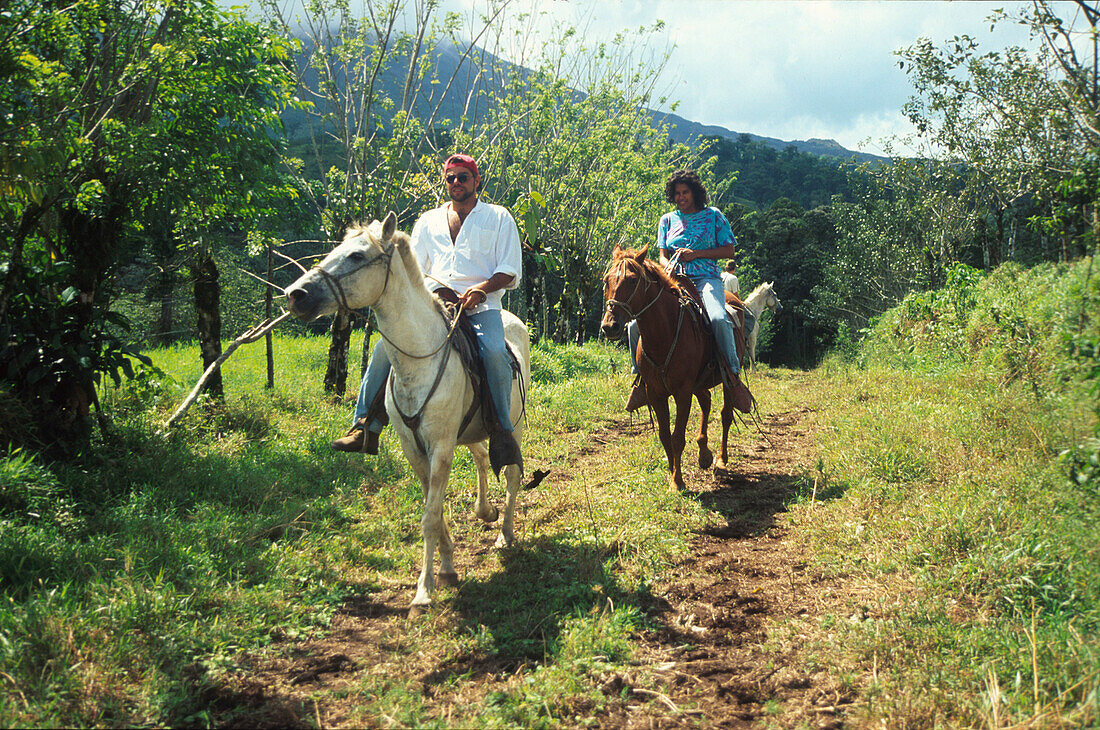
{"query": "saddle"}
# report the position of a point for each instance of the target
(464, 345)
(712, 374)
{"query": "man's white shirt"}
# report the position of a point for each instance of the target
(730, 283)
(487, 244)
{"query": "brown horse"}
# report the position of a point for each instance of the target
(676, 355)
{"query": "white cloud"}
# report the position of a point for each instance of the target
(792, 69)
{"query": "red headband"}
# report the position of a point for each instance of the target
(461, 161)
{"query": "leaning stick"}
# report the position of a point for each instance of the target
(250, 336)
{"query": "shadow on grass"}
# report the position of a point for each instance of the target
(520, 611)
(166, 533)
(750, 501)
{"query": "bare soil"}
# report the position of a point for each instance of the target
(718, 656)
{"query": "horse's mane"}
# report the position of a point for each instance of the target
(662, 276)
(759, 288)
(651, 267)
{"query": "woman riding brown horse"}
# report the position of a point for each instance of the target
(675, 353)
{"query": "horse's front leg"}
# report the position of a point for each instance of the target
(434, 530)
(706, 458)
(507, 538)
(484, 510)
(660, 413)
(512, 476)
(679, 435)
(727, 420)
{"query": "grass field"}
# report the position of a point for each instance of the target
(956, 496)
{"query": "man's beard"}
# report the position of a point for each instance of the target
(462, 197)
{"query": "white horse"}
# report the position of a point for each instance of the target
(762, 297)
(426, 381)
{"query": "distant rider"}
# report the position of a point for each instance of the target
(729, 278)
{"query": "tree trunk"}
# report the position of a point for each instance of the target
(336, 375)
(163, 289)
(15, 260)
(544, 308)
(204, 272)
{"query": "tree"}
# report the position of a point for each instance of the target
(114, 109)
(371, 146)
(1022, 121)
(565, 141)
(789, 246)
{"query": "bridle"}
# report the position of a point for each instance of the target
(626, 305)
(337, 290)
(662, 368)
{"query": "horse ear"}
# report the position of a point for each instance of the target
(389, 226)
(640, 254)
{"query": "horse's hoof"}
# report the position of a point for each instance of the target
(446, 580)
(494, 513)
(503, 542)
(416, 612)
(705, 459)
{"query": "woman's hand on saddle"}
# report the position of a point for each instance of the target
(473, 297)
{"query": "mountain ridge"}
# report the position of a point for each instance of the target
(453, 61)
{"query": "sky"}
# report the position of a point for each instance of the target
(790, 69)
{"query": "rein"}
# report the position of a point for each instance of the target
(662, 369)
(412, 421)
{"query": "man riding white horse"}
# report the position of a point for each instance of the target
(471, 248)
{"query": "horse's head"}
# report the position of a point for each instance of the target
(771, 299)
(352, 276)
(624, 286)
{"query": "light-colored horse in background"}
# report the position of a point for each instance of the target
(762, 297)
(375, 267)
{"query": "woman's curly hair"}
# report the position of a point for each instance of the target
(691, 179)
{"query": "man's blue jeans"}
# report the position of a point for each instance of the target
(714, 302)
(498, 368)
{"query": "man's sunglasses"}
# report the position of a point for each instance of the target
(461, 177)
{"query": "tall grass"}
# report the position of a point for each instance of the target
(954, 502)
(965, 505)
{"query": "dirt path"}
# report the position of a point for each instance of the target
(713, 650)
(713, 645)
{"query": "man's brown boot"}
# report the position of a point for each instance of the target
(637, 397)
(359, 440)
